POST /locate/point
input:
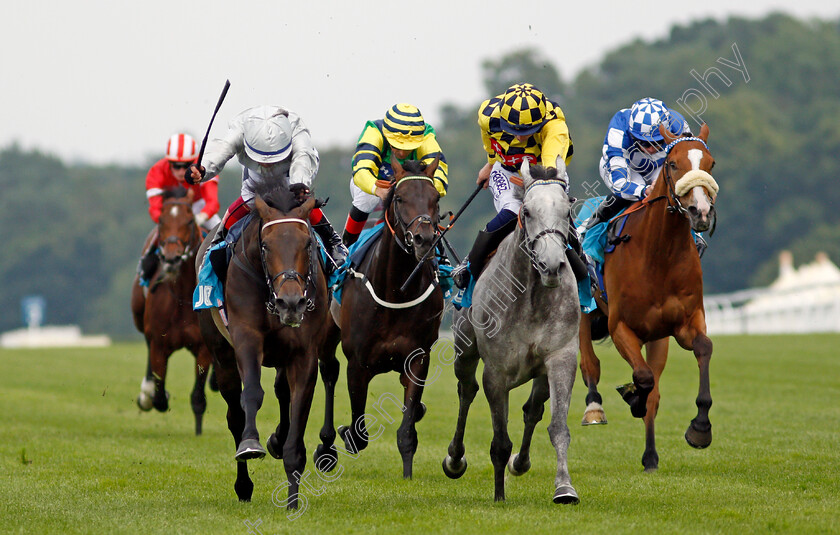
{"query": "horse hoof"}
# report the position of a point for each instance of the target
(565, 494)
(273, 447)
(511, 465)
(698, 438)
(324, 459)
(594, 415)
(650, 462)
(420, 412)
(248, 449)
(144, 402)
(454, 469)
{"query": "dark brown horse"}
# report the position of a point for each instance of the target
(165, 316)
(384, 328)
(277, 307)
(654, 286)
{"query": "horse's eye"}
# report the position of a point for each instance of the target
(672, 165)
(397, 198)
(712, 166)
(526, 212)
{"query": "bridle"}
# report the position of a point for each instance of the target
(674, 204)
(188, 246)
(407, 243)
(530, 242)
(289, 274)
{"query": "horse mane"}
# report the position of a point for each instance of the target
(412, 168)
(277, 196)
(177, 192)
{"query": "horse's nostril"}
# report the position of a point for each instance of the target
(693, 210)
(418, 240)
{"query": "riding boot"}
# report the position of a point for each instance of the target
(472, 264)
(148, 264)
(578, 260)
(608, 209)
(701, 244)
(332, 242)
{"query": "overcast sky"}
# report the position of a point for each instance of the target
(109, 81)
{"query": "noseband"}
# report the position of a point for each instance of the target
(407, 243)
(289, 274)
(530, 242)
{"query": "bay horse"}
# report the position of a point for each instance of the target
(276, 304)
(384, 328)
(654, 285)
(165, 316)
(523, 323)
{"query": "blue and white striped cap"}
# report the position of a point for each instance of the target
(645, 117)
(268, 134)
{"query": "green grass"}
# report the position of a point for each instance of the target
(77, 456)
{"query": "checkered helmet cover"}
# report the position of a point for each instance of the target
(523, 108)
(645, 116)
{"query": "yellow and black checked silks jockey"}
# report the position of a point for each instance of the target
(372, 159)
(543, 147)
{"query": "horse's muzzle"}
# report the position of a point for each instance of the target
(290, 309)
(421, 243)
(700, 220)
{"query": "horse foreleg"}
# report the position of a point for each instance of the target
(466, 362)
(500, 446)
(158, 358)
(147, 386)
(324, 460)
(413, 379)
(355, 436)
(699, 432)
(560, 370)
(629, 346)
(657, 355)
(198, 399)
(590, 371)
(230, 386)
(249, 361)
(302, 375)
(275, 441)
(533, 410)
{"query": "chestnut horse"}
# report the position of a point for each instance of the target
(165, 316)
(384, 328)
(654, 286)
(276, 302)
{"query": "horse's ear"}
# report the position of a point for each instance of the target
(704, 132)
(432, 167)
(399, 172)
(525, 172)
(307, 207)
(560, 165)
(262, 208)
(667, 136)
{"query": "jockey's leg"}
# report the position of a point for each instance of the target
(487, 241)
(332, 241)
(609, 208)
(149, 261)
(356, 220)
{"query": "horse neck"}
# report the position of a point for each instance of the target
(666, 235)
(390, 266)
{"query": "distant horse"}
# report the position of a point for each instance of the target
(384, 328)
(165, 316)
(654, 286)
(277, 307)
(523, 324)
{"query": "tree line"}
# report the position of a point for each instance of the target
(766, 87)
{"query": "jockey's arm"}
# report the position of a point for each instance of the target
(305, 158)
(367, 160)
(555, 142)
(426, 153)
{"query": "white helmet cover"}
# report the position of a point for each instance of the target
(268, 134)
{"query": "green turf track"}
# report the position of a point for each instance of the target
(77, 456)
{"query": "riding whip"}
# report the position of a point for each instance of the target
(213, 118)
(441, 237)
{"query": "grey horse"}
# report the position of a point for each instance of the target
(523, 323)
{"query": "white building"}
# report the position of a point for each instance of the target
(802, 300)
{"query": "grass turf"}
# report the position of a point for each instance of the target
(77, 456)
